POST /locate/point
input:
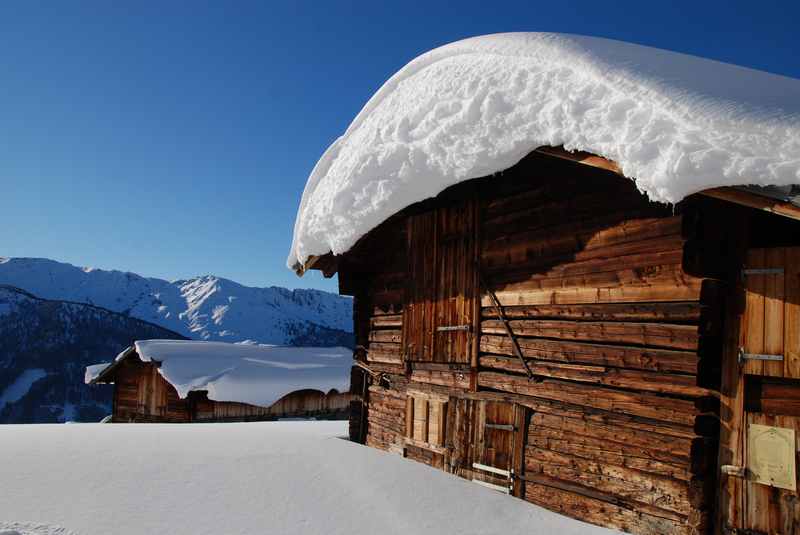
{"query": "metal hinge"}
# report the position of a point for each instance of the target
(454, 328)
(762, 271)
(757, 356)
(502, 427)
(731, 470)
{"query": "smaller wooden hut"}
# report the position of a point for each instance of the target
(193, 381)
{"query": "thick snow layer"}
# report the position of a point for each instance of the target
(16, 390)
(254, 374)
(241, 479)
(677, 124)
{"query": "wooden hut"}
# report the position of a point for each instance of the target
(144, 393)
(550, 333)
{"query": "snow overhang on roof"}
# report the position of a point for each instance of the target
(254, 374)
(675, 124)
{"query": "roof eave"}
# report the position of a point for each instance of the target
(742, 195)
(749, 196)
(105, 376)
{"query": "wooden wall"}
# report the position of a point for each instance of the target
(592, 284)
(619, 420)
(142, 395)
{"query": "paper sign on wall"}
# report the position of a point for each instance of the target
(771, 456)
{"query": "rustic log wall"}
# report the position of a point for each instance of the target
(592, 284)
(386, 417)
(618, 425)
(142, 395)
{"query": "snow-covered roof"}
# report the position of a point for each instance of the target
(93, 372)
(245, 373)
(677, 124)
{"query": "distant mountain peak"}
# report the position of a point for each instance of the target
(205, 307)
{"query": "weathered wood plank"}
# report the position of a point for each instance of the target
(564, 268)
(601, 512)
(384, 352)
(602, 231)
(602, 354)
(668, 283)
(647, 405)
(454, 379)
(608, 452)
(649, 443)
(662, 492)
(385, 335)
(753, 323)
(663, 383)
(774, 296)
(665, 335)
(636, 312)
(386, 321)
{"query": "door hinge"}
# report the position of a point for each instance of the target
(731, 470)
(743, 356)
(502, 427)
(762, 271)
(454, 328)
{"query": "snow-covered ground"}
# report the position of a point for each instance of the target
(248, 478)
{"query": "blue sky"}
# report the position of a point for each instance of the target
(174, 139)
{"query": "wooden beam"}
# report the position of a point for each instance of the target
(327, 263)
(753, 200)
(585, 158)
(730, 194)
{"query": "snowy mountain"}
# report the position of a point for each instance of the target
(45, 346)
(202, 308)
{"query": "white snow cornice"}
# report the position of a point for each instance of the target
(676, 124)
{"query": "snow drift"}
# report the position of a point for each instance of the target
(676, 124)
(242, 479)
(244, 373)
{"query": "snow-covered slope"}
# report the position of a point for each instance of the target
(244, 373)
(242, 479)
(205, 308)
(677, 124)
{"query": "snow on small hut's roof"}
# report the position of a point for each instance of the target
(245, 373)
(677, 124)
(94, 371)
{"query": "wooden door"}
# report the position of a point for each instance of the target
(497, 444)
(442, 284)
(762, 388)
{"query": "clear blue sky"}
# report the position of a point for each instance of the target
(174, 139)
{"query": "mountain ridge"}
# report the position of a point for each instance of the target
(205, 307)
